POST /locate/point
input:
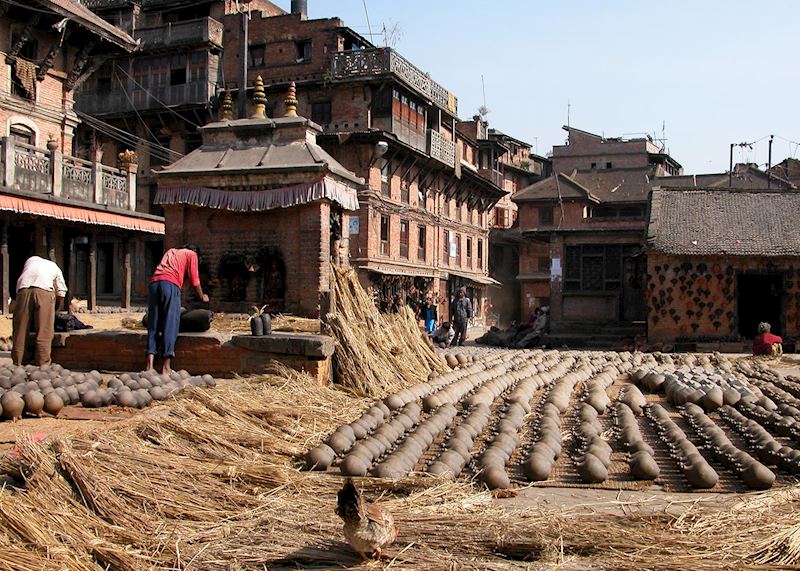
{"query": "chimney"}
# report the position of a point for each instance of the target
(300, 7)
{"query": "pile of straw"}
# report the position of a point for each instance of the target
(211, 483)
(376, 354)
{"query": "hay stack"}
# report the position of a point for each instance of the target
(376, 353)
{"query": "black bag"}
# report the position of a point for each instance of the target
(193, 321)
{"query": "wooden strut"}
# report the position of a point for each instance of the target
(97, 61)
(50, 58)
(23, 38)
(81, 60)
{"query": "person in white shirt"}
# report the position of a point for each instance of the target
(443, 336)
(40, 293)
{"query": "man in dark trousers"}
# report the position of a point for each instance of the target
(766, 343)
(40, 293)
(461, 314)
(164, 301)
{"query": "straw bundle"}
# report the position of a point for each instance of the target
(376, 353)
(210, 483)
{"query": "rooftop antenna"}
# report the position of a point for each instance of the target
(483, 110)
(568, 108)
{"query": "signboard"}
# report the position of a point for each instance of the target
(354, 225)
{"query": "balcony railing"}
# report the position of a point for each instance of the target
(441, 149)
(29, 169)
(493, 175)
(379, 61)
(116, 101)
(199, 31)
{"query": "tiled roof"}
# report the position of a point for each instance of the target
(88, 19)
(724, 222)
(616, 185)
(553, 188)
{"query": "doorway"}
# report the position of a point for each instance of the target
(759, 298)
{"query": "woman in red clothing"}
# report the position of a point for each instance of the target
(766, 343)
(164, 301)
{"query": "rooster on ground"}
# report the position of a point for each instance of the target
(368, 528)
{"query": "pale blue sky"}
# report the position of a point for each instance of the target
(714, 71)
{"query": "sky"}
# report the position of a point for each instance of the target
(706, 73)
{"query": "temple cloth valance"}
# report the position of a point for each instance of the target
(260, 200)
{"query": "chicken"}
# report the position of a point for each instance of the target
(368, 528)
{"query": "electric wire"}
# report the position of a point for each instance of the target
(164, 105)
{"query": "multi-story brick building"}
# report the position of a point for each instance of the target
(584, 228)
(510, 164)
(265, 205)
(424, 216)
(78, 212)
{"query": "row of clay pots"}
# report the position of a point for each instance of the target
(458, 448)
(752, 472)
(695, 468)
(641, 460)
(771, 418)
(499, 451)
(594, 453)
(761, 441)
(361, 456)
(403, 459)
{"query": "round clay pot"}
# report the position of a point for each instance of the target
(256, 326)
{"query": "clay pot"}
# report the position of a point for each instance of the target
(266, 322)
(256, 326)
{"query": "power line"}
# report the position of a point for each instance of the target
(164, 105)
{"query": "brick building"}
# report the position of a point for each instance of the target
(423, 220)
(721, 261)
(510, 164)
(78, 212)
(584, 228)
(266, 207)
(157, 97)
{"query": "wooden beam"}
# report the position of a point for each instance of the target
(126, 273)
(91, 300)
(398, 164)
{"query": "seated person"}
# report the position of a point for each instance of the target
(443, 336)
(766, 343)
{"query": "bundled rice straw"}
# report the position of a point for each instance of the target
(376, 353)
(210, 483)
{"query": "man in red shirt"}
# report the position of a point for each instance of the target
(766, 343)
(164, 303)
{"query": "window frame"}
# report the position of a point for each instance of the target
(385, 234)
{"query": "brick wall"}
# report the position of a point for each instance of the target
(298, 235)
(696, 298)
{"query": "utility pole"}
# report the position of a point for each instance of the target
(243, 41)
(730, 168)
(769, 162)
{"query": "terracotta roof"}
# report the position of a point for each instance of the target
(91, 21)
(724, 222)
(553, 187)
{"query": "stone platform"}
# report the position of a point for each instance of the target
(198, 353)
